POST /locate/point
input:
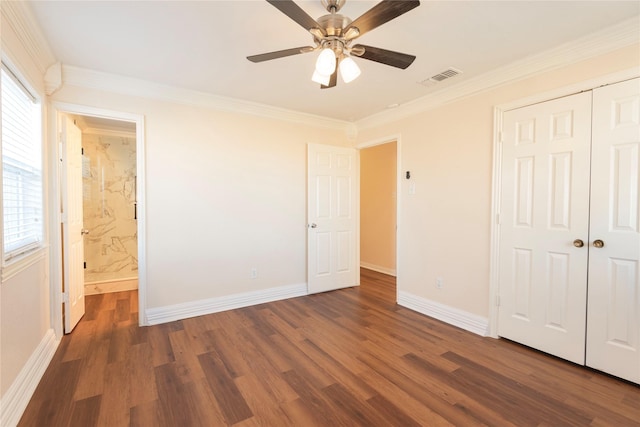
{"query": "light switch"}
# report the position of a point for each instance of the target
(412, 188)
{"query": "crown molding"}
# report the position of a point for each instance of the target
(82, 77)
(53, 78)
(601, 42)
(18, 16)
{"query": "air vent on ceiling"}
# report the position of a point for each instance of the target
(446, 74)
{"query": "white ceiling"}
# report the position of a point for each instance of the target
(202, 45)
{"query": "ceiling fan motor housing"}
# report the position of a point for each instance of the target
(333, 6)
(334, 23)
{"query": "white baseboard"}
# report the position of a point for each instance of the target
(17, 397)
(108, 286)
(453, 316)
(185, 310)
(379, 269)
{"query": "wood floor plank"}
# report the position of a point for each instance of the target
(85, 411)
(142, 384)
(91, 379)
(231, 356)
(393, 414)
(146, 414)
(262, 403)
(115, 406)
(349, 357)
(358, 410)
(233, 405)
(186, 360)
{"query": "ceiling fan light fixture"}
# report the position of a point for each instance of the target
(326, 63)
(349, 70)
(321, 79)
(351, 33)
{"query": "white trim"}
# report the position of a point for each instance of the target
(19, 264)
(582, 86)
(453, 316)
(606, 40)
(81, 77)
(26, 28)
(56, 255)
(378, 268)
(102, 282)
(494, 261)
(53, 79)
(16, 398)
(108, 132)
(494, 252)
(186, 310)
(109, 286)
(378, 141)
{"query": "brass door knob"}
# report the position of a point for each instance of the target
(578, 243)
(598, 243)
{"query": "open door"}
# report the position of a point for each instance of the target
(72, 218)
(332, 218)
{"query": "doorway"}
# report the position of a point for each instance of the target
(109, 204)
(112, 165)
(378, 214)
(378, 207)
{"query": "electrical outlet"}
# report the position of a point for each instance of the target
(439, 282)
(254, 273)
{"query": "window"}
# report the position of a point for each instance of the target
(21, 168)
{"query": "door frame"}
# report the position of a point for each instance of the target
(372, 143)
(53, 204)
(496, 190)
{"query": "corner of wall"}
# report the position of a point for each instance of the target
(16, 398)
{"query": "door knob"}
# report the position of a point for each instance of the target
(598, 243)
(84, 231)
(313, 225)
(578, 243)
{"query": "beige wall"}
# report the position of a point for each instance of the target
(444, 229)
(225, 193)
(378, 207)
(24, 298)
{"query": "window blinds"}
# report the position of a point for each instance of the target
(21, 168)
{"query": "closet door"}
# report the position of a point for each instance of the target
(613, 322)
(543, 220)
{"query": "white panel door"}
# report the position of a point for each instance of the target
(544, 209)
(613, 323)
(332, 212)
(72, 231)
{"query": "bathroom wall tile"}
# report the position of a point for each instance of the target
(109, 181)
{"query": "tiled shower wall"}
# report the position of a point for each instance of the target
(109, 191)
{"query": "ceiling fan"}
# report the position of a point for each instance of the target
(333, 35)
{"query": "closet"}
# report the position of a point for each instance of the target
(569, 245)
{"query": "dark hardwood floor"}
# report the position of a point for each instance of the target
(344, 358)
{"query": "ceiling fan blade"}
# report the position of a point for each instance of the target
(379, 14)
(277, 54)
(387, 57)
(295, 12)
(333, 80)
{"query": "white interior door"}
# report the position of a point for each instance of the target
(613, 323)
(72, 220)
(332, 218)
(544, 209)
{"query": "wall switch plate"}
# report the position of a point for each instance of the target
(439, 282)
(254, 273)
(412, 188)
